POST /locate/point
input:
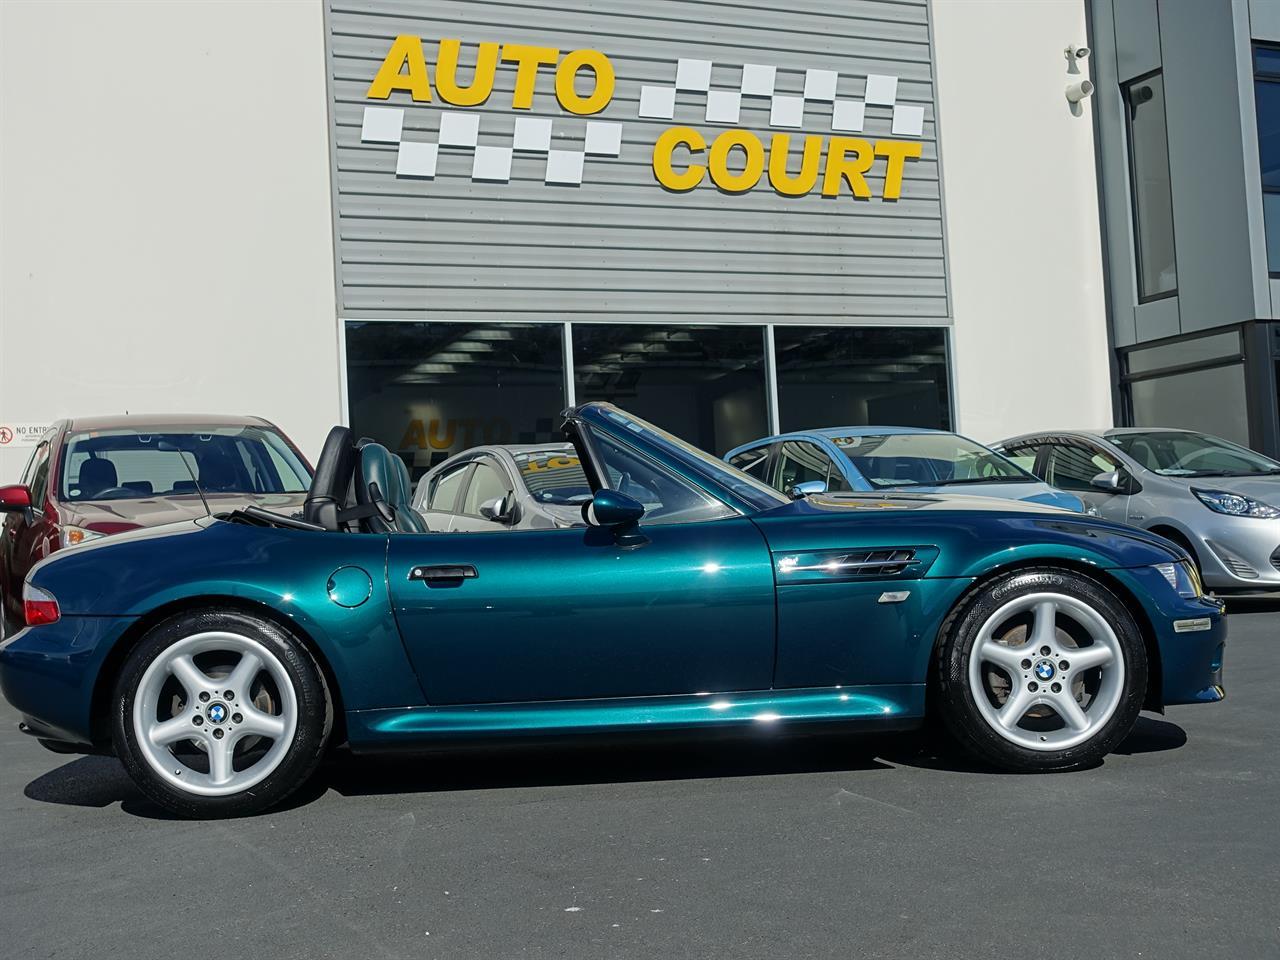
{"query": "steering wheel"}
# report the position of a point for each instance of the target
(115, 493)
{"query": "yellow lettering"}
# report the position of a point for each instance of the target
(567, 72)
(527, 60)
(779, 150)
(414, 436)
(897, 152)
(718, 160)
(406, 50)
(665, 146)
(442, 443)
(481, 81)
(840, 166)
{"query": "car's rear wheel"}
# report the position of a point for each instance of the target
(219, 713)
(1041, 670)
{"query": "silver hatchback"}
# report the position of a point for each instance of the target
(1215, 498)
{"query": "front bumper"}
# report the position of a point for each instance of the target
(48, 674)
(1191, 635)
(1236, 553)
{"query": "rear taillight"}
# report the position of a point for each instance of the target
(39, 606)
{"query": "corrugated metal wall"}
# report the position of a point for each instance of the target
(620, 246)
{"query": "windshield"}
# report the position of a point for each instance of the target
(759, 495)
(927, 459)
(126, 464)
(553, 475)
(1181, 453)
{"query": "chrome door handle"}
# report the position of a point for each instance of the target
(444, 573)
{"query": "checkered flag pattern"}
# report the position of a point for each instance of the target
(461, 130)
(758, 80)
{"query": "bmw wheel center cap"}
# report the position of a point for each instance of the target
(1045, 669)
(216, 712)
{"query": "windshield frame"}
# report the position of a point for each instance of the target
(723, 481)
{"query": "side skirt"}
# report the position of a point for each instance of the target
(870, 708)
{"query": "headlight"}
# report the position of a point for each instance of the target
(1184, 579)
(1236, 505)
(73, 536)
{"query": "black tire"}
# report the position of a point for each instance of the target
(314, 709)
(959, 712)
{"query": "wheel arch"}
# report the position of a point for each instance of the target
(100, 717)
(1154, 699)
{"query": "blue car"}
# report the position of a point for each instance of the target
(867, 459)
(220, 658)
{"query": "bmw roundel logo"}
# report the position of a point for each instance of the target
(217, 712)
(1045, 670)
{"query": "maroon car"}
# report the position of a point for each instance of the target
(91, 477)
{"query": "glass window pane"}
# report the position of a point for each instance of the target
(1266, 61)
(801, 463)
(1267, 97)
(430, 390)
(486, 484)
(1185, 351)
(1179, 400)
(445, 495)
(1152, 195)
(704, 384)
(1073, 467)
(667, 497)
(1271, 220)
(854, 376)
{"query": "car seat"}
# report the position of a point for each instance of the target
(360, 487)
(96, 475)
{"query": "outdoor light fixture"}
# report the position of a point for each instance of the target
(1079, 90)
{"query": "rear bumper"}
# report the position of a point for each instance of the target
(1191, 636)
(48, 674)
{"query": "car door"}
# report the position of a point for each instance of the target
(570, 614)
(1072, 464)
(28, 537)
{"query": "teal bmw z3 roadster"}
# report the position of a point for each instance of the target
(220, 658)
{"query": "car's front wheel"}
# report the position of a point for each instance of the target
(1042, 669)
(219, 714)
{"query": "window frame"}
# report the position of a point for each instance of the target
(1274, 79)
(1132, 167)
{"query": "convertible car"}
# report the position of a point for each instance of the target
(220, 658)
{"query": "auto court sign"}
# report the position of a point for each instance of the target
(683, 157)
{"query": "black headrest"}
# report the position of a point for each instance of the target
(96, 475)
(330, 491)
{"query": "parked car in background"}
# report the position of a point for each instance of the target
(520, 486)
(842, 459)
(1216, 499)
(94, 476)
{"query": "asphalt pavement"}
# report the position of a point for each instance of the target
(778, 848)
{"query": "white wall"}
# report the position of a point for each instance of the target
(165, 231)
(1022, 219)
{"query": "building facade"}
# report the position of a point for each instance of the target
(445, 222)
(1188, 108)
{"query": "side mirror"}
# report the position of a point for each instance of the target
(806, 488)
(15, 498)
(1112, 482)
(611, 508)
(496, 510)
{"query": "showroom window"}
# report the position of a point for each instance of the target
(1266, 93)
(1150, 186)
(430, 390)
(853, 376)
(705, 384)
(1166, 384)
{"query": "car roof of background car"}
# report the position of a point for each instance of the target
(534, 447)
(1051, 434)
(168, 421)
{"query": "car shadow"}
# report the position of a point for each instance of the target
(102, 781)
(1269, 603)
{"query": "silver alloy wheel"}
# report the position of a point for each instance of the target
(216, 714)
(1058, 679)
